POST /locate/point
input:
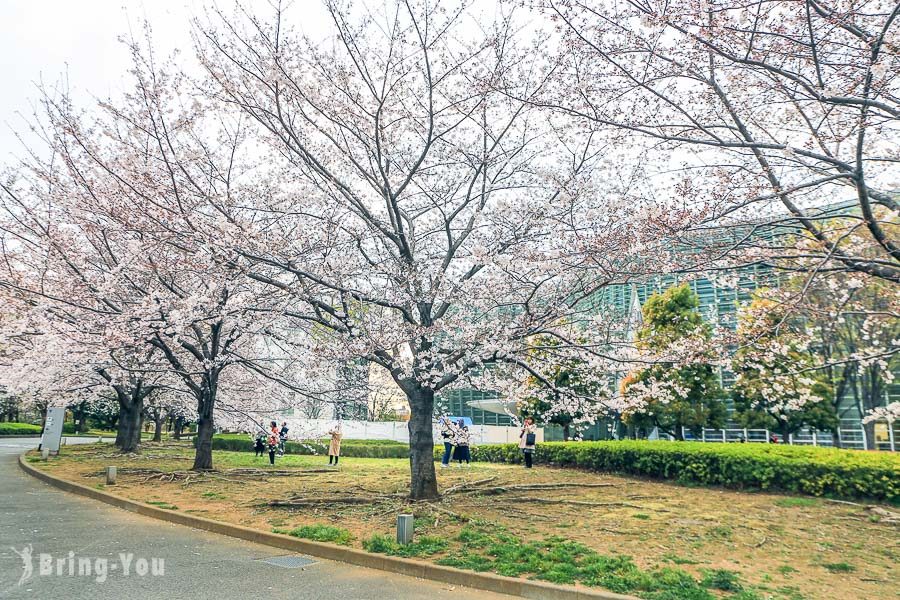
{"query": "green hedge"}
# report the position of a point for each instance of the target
(29, 429)
(798, 469)
(19, 429)
(351, 448)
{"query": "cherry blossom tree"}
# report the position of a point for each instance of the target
(50, 362)
(108, 224)
(851, 323)
(889, 413)
(420, 212)
(770, 109)
(777, 385)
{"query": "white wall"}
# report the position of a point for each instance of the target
(398, 431)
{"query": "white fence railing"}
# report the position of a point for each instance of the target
(850, 437)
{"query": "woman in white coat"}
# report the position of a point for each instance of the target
(334, 448)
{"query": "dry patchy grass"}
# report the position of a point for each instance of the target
(778, 546)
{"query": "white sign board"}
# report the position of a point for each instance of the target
(53, 428)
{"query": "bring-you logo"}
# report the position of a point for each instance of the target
(97, 567)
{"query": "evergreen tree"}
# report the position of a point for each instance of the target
(681, 389)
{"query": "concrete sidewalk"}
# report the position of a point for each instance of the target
(198, 565)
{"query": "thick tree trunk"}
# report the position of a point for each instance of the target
(566, 432)
(785, 434)
(131, 409)
(205, 427)
(423, 481)
(157, 421)
(203, 453)
(179, 427)
(79, 412)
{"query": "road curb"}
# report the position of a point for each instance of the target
(535, 590)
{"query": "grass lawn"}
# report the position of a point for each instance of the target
(657, 540)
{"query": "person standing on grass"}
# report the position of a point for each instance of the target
(447, 434)
(259, 443)
(334, 448)
(282, 438)
(528, 440)
(461, 443)
(272, 441)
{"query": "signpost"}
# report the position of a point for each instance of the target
(53, 429)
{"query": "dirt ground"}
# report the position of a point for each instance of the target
(783, 547)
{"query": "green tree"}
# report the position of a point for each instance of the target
(564, 388)
(575, 394)
(681, 389)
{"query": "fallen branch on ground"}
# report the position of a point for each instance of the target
(227, 475)
(885, 516)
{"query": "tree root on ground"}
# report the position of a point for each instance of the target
(448, 512)
(466, 485)
(525, 487)
(324, 501)
(195, 476)
(583, 503)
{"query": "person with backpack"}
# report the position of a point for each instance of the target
(447, 433)
(528, 441)
(461, 443)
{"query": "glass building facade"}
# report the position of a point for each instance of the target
(718, 305)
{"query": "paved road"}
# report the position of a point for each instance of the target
(197, 565)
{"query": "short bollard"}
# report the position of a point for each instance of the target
(45, 453)
(110, 476)
(404, 529)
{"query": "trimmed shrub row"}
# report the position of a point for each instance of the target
(351, 448)
(776, 467)
(19, 429)
(797, 469)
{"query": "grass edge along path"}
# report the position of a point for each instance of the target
(487, 558)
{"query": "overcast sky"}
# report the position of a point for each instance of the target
(47, 40)
(42, 40)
